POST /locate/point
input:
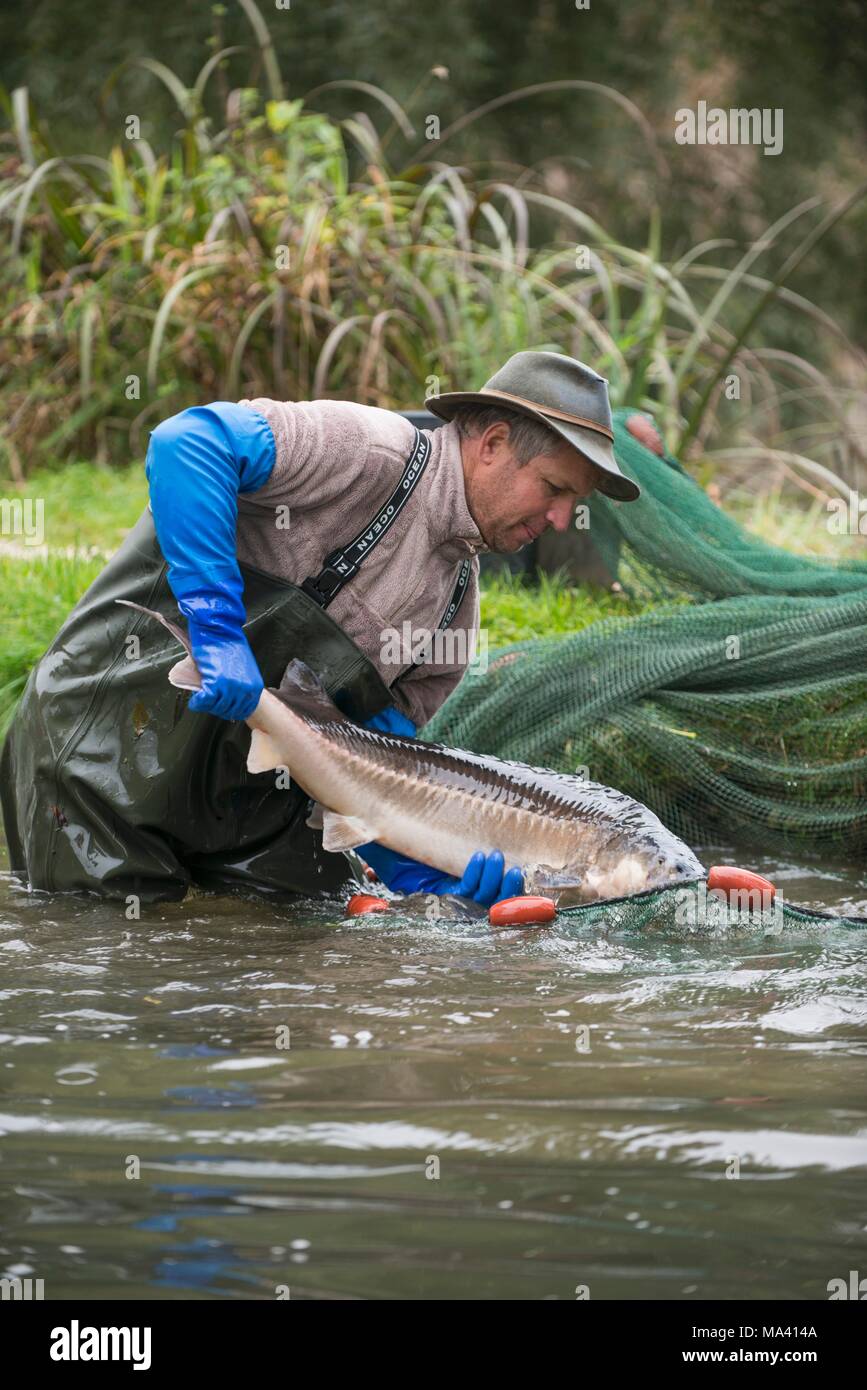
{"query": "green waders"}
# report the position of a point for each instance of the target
(111, 785)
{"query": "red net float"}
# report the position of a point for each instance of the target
(360, 903)
(370, 873)
(522, 911)
(725, 878)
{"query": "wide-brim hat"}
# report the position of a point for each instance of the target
(567, 396)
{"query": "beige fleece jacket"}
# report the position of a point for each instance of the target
(336, 463)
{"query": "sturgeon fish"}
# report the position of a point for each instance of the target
(575, 840)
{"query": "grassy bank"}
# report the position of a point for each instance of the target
(39, 593)
(88, 509)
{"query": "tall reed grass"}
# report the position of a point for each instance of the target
(275, 250)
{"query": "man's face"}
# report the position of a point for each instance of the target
(512, 505)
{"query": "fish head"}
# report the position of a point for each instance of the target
(667, 860)
(626, 865)
(638, 863)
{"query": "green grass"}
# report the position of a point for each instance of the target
(87, 511)
(37, 595)
(86, 506)
(803, 529)
(512, 611)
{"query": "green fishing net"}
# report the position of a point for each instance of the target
(693, 911)
(736, 709)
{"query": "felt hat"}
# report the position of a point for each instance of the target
(567, 396)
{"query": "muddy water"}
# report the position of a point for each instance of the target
(432, 1129)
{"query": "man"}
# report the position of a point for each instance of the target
(309, 529)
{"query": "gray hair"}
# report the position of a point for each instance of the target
(527, 437)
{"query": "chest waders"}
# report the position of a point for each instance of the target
(110, 784)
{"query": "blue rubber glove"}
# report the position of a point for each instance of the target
(197, 463)
(483, 879)
(391, 721)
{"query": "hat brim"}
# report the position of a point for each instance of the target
(594, 446)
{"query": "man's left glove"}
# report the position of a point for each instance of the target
(483, 880)
(391, 721)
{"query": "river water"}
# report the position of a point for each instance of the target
(231, 1100)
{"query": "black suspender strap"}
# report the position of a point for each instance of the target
(454, 603)
(457, 594)
(341, 564)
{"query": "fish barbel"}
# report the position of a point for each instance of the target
(575, 840)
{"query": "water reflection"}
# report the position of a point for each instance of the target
(458, 1113)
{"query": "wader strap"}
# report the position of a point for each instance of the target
(454, 604)
(457, 594)
(342, 564)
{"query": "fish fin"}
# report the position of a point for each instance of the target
(553, 883)
(185, 675)
(264, 755)
(167, 623)
(544, 876)
(301, 688)
(344, 832)
(316, 815)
